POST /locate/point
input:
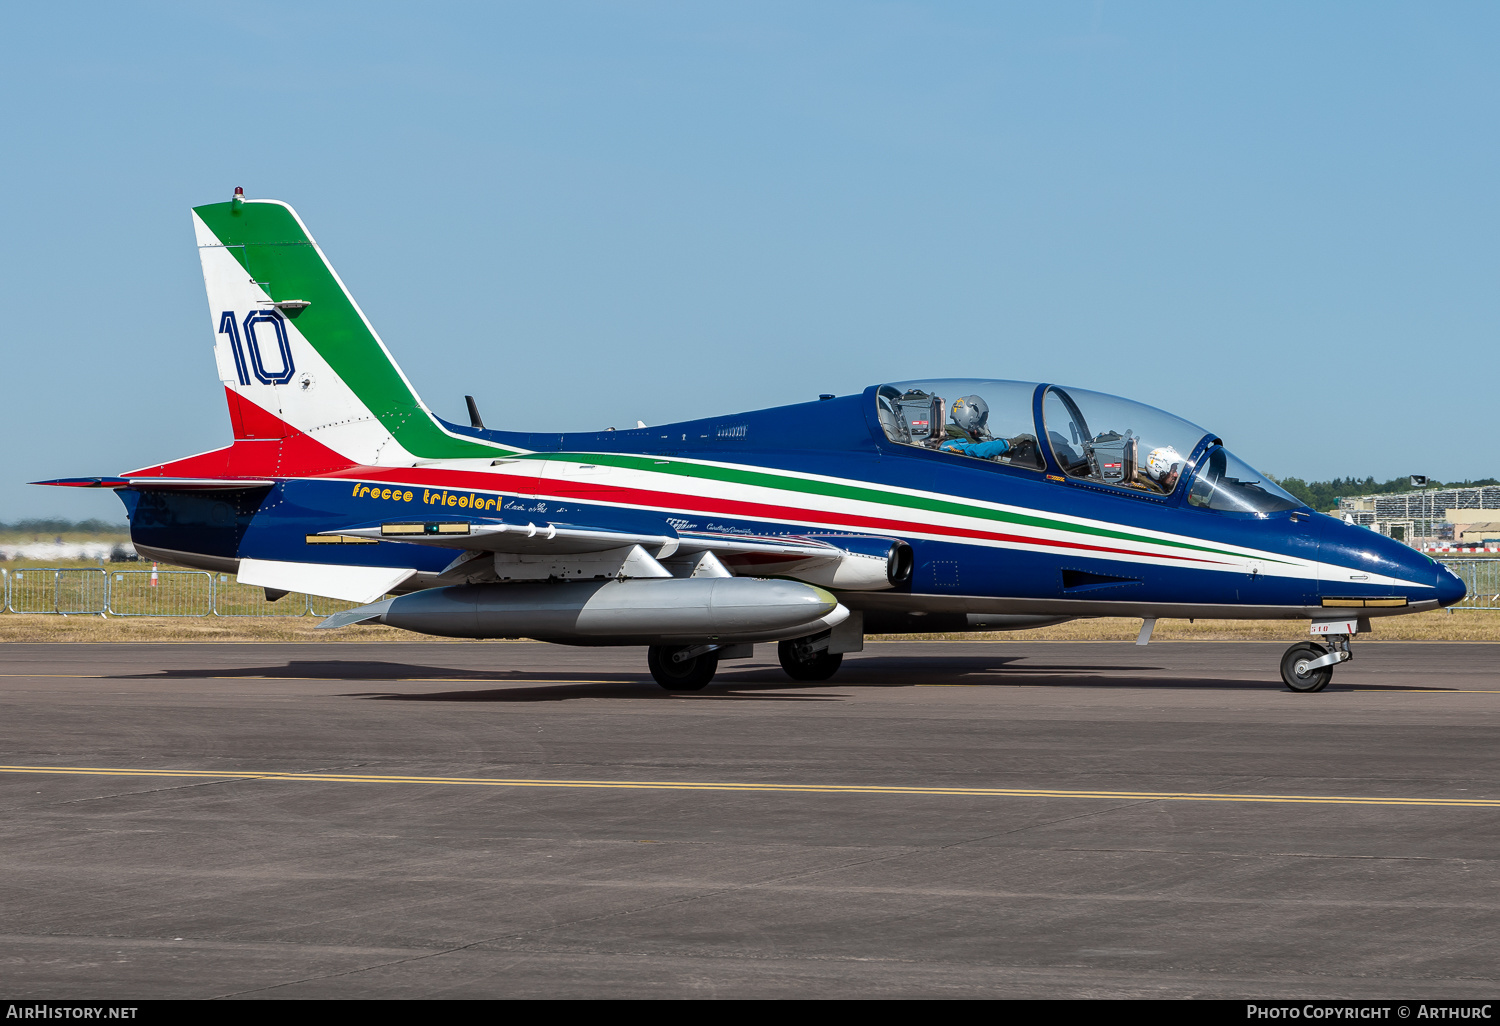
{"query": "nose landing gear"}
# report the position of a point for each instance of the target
(1307, 667)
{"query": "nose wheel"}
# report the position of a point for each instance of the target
(1307, 666)
(1297, 671)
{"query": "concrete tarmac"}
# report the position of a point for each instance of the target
(965, 820)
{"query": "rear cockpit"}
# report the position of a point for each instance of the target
(989, 420)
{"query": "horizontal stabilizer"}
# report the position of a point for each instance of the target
(159, 484)
(84, 482)
(197, 484)
(359, 614)
(351, 583)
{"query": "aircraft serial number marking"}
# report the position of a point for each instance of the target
(681, 785)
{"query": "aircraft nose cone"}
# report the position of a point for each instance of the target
(1450, 587)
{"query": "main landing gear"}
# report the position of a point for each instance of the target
(683, 667)
(808, 658)
(1308, 666)
(691, 667)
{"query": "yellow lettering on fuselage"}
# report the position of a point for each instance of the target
(363, 491)
(429, 497)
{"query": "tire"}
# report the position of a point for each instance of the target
(1305, 683)
(688, 675)
(820, 667)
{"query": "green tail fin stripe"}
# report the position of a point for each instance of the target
(274, 249)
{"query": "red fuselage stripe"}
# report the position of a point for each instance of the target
(299, 455)
(675, 501)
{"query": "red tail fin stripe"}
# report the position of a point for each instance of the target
(251, 421)
(285, 453)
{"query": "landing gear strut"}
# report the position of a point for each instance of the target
(1307, 666)
(808, 658)
(683, 667)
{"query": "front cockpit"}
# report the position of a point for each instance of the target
(1228, 484)
(1074, 433)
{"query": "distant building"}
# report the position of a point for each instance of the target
(1478, 534)
(1459, 516)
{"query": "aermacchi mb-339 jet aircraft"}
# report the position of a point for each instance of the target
(914, 506)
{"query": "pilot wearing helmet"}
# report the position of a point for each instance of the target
(1164, 465)
(971, 416)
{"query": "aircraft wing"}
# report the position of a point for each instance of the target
(351, 583)
(490, 535)
(494, 549)
(750, 554)
(498, 536)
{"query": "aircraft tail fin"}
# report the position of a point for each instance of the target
(295, 351)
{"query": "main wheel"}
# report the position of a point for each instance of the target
(688, 675)
(1306, 681)
(821, 666)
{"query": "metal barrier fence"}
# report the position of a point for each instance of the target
(161, 593)
(231, 598)
(69, 592)
(154, 592)
(97, 592)
(317, 605)
(1482, 577)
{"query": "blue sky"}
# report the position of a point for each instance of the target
(1277, 220)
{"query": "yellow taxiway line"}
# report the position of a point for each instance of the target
(684, 785)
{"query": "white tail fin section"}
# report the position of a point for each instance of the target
(296, 353)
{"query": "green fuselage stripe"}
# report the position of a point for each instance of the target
(761, 479)
(276, 253)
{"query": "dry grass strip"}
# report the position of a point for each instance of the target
(1465, 625)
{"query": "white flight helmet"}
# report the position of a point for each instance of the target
(1164, 464)
(970, 414)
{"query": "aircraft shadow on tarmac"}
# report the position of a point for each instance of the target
(347, 669)
(754, 683)
(643, 691)
(746, 689)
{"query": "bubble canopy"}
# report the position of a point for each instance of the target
(1091, 436)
